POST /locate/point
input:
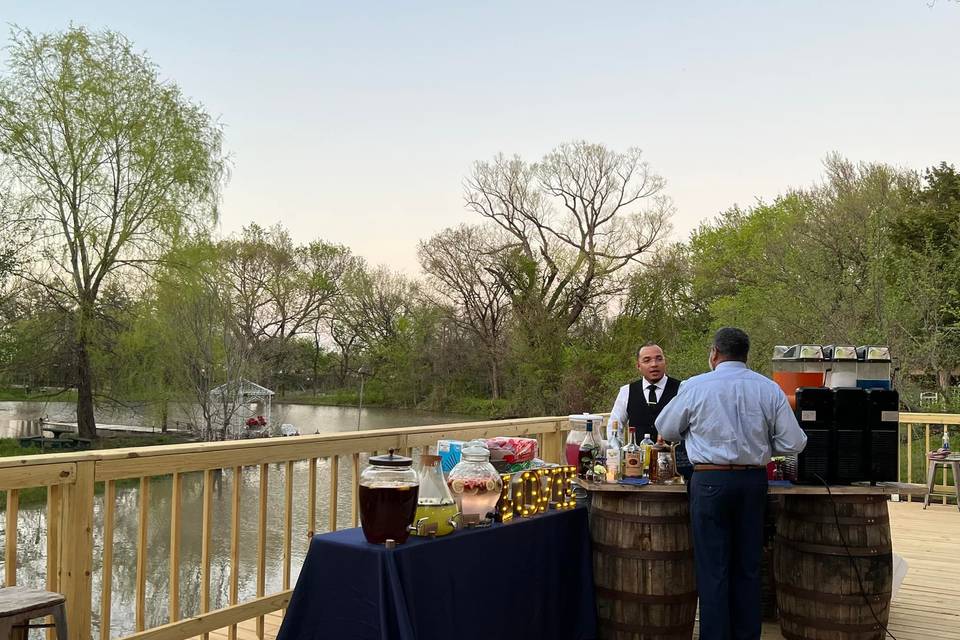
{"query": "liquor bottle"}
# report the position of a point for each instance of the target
(632, 457)
(613, 453)
(589, 451)
(661, 468)
(646, 445)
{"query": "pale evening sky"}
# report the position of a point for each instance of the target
(356, 122)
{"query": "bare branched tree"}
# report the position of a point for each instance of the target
(281, 290)
(575, 220)
(460, 263)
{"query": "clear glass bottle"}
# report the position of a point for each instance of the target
(613, 453)
(663, 463)
(388, 498)
(589, 451)
(474, 483)
(437, 511)
(646, 445)
(632, 457)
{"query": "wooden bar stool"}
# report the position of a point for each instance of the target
(20, 605)
(952, 462)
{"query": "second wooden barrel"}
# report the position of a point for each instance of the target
(816, 564)
(643, 567)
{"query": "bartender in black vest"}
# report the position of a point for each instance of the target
(639, 403)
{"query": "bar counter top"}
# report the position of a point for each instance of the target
(881, 488)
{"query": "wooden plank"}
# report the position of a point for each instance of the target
(224, 458)
(887, 488)
(910, 452)
(287, 524)
(931, 418)
(174, 589)
(355, 491)
(106, 581)
(76, 555)
(209, 622)
(262, 540)
(206, 529)
(54, 504)
(142, 541)
(311, 499)
(235, 544)
(37, 475)
(10, 541)
(334, 486)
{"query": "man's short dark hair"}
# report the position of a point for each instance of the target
(732, 343)
(648, 344)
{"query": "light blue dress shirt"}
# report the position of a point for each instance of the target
(732, 415)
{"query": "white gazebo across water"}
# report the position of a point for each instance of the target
(241, 409)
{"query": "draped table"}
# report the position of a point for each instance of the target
(530, 578)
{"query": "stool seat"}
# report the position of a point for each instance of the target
(20, 605)
(951, 462)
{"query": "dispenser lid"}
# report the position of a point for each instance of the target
(808, 352)
(475, 448)
(581, 418)
(391, 460)
(873, 353)
(841, 352)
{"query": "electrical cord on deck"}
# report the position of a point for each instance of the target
(856, 570)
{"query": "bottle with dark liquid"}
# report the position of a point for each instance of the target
(589, 450)
(388, 498)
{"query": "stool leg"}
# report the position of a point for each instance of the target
(956, 481)
(59, 614)
(931, 474)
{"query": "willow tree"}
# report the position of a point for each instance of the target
(112, 164)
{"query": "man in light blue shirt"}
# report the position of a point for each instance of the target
(732, 420)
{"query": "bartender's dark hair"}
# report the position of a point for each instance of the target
(732, 343)
(647, 344)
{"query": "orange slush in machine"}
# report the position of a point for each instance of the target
(800, 365)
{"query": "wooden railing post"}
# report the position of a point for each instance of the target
(552, 446)
(76, 551)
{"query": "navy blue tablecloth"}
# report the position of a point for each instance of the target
(532, 578)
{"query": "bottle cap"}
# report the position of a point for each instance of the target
(646, 435)
(390, 543)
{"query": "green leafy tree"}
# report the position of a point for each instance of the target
(114, 163)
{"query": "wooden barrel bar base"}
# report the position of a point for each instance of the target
(643, 566)
(818, 594)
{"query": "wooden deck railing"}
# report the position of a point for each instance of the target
(72, 479)
(920, 433)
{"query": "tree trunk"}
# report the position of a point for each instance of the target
(86, 423)
(164, 411)
(494, 378)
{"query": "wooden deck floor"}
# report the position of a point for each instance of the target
(927, 606)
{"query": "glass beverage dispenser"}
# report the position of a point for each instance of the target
(388, 498)
(437, 512)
